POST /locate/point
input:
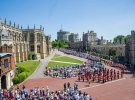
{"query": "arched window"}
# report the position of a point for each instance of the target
(38, 49)
(5, 48)
(38, 37)
(31, 37)
(32, 48)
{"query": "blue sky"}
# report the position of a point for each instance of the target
(107, 18)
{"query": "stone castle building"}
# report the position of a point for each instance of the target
(23, 41)
(62, 35)
(73, 37)
(130, 50)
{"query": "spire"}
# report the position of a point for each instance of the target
(18, 26)
(40, 27)
(10, 24)
(43, 28)
(28, 27)
(14, 24)
(5, 22)
(34, 26)
(21, 26)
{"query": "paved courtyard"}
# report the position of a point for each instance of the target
(122, 89)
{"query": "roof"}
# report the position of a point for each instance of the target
(4, 54)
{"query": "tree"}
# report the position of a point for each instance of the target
(112, 52)
(118, 38)
(127, 37)
(60, 44)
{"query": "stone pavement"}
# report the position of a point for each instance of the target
(39, 72)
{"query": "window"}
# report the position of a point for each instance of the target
(38, 49)
(31, 37)
(32, 48)
(6, 63)
(38, 37)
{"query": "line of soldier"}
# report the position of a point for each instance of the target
(101, 75)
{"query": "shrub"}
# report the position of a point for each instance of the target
(32, 56)
(15, 80)
(23, 69)
(22, 76)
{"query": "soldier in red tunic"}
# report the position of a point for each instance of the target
(111, 75)
(118, 75)
(98, 77)
(78, 77)
(93, 77)
(114, 74)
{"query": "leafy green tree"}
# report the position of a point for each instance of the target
(60, 44)
(118, 38)
(112, 52)
(127, 37)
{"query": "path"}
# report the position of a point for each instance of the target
(39, 73)
(64, 62)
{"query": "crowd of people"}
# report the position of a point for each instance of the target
(96, 72)
(93, 58)
(70, 92)
(100, 75)
(80, 54)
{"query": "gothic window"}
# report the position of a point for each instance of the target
(31, 37)
(38, 37)
(5, 48)
(38, 49)
(32, 48)
(6, 63)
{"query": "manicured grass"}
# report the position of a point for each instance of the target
(25, 69)
(52, 64)
(67, 59)
(31, 65)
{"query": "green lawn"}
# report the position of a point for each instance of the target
(67, 59)
(52, 64)
(31, 65)
(24, 70)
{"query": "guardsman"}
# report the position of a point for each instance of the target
(93, 77)
(107, 77)
(79, 78)
(103, 79)
(111, 76)
(114, 74)
(118, 75)
(98, 77)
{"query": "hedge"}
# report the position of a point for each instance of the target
(22, 76)
(15, 80)
(32, 56)
(23, 69)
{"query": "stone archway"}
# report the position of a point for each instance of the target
(3, 82)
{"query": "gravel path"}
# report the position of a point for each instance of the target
(39, 72)
(64, 62)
